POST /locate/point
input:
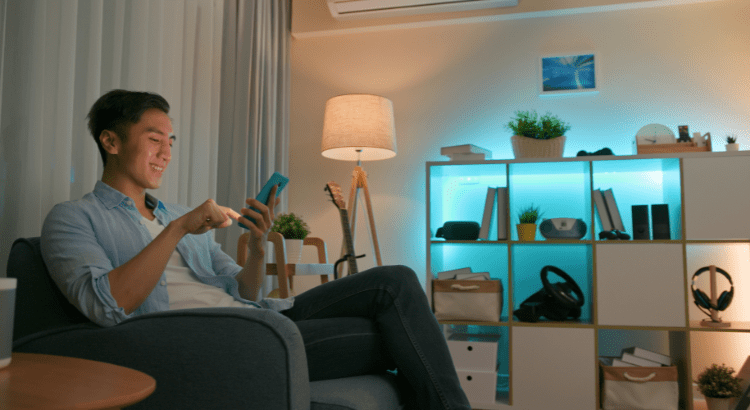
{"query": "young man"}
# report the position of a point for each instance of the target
(119, 252)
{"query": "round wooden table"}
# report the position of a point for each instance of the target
(38, 381)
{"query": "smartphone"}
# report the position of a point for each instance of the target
(276, 179)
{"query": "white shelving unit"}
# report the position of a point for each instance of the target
(637, 292)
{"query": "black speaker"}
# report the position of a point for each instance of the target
(660, 221)
(640, 222)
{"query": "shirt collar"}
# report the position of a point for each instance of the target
(111, 197)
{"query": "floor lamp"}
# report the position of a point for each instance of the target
(359, 127)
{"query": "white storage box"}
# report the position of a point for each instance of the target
(479, 386)
(474, 352)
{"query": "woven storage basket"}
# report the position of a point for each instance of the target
(525, 147)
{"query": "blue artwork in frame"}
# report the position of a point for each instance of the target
(566, 74)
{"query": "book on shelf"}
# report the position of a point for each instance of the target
(614, 362)
(463, 274)
(473, 276)
(502, 213)
(466, 157)
(743, 402)
(649, 355)
(465, 149)
(601, 210)
(638, 361)
(489, 204)
(614, 212)
(451, 274)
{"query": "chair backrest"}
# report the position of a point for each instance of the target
(39, 303)
(284, 290)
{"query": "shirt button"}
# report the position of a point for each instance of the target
(164, 283)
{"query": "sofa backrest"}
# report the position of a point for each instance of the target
(39, 303)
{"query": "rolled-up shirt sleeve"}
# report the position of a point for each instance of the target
(79, 265)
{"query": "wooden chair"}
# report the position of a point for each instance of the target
(286, 273)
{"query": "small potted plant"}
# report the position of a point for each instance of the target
(294, 230)
(526, 226)
(719, 386)
(537, 137)
(732, 144)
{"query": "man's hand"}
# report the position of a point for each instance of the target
(207, 216)
(263, 219)
(252, 274)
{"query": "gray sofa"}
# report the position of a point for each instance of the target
(221, 358)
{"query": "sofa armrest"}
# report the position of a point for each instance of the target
(227, 358)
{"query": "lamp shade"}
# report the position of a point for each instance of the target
(359, 127)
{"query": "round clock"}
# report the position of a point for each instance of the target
(655, 134)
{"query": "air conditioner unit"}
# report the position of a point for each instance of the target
(353, 9)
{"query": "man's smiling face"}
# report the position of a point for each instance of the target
(147, 150)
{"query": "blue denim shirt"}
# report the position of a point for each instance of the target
(83, 240)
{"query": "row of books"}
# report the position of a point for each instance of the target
(499, 196)
(636, 356)
(606, 208)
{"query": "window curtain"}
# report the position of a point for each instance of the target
(58, 57)
(255, 96)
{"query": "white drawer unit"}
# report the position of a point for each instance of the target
(474, 352)
(479, 386)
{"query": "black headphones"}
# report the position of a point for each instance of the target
(555, 301)
(703, 301)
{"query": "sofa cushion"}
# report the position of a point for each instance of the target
(369, 392)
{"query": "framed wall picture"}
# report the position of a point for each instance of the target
(569, 74)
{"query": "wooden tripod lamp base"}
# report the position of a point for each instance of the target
(359, 181)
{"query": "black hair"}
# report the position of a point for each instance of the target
(117, 110)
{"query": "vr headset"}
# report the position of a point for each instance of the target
(459, 230)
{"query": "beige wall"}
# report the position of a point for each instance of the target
(460, 83)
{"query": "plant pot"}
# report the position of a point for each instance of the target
(526, 232)
(733, 147)
(293, 250)
(714, 403)
(525, 147)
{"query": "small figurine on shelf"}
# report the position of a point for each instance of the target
(732, 144)
(684, 135)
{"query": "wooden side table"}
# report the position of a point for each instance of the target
(38, 381)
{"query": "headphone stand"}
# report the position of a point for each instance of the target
(715, 320)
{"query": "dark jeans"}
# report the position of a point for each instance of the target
(400, 331)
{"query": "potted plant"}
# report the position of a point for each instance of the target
(526, 226)
(719, 386)
(535, 136)
(294, 230)
(732, 144)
